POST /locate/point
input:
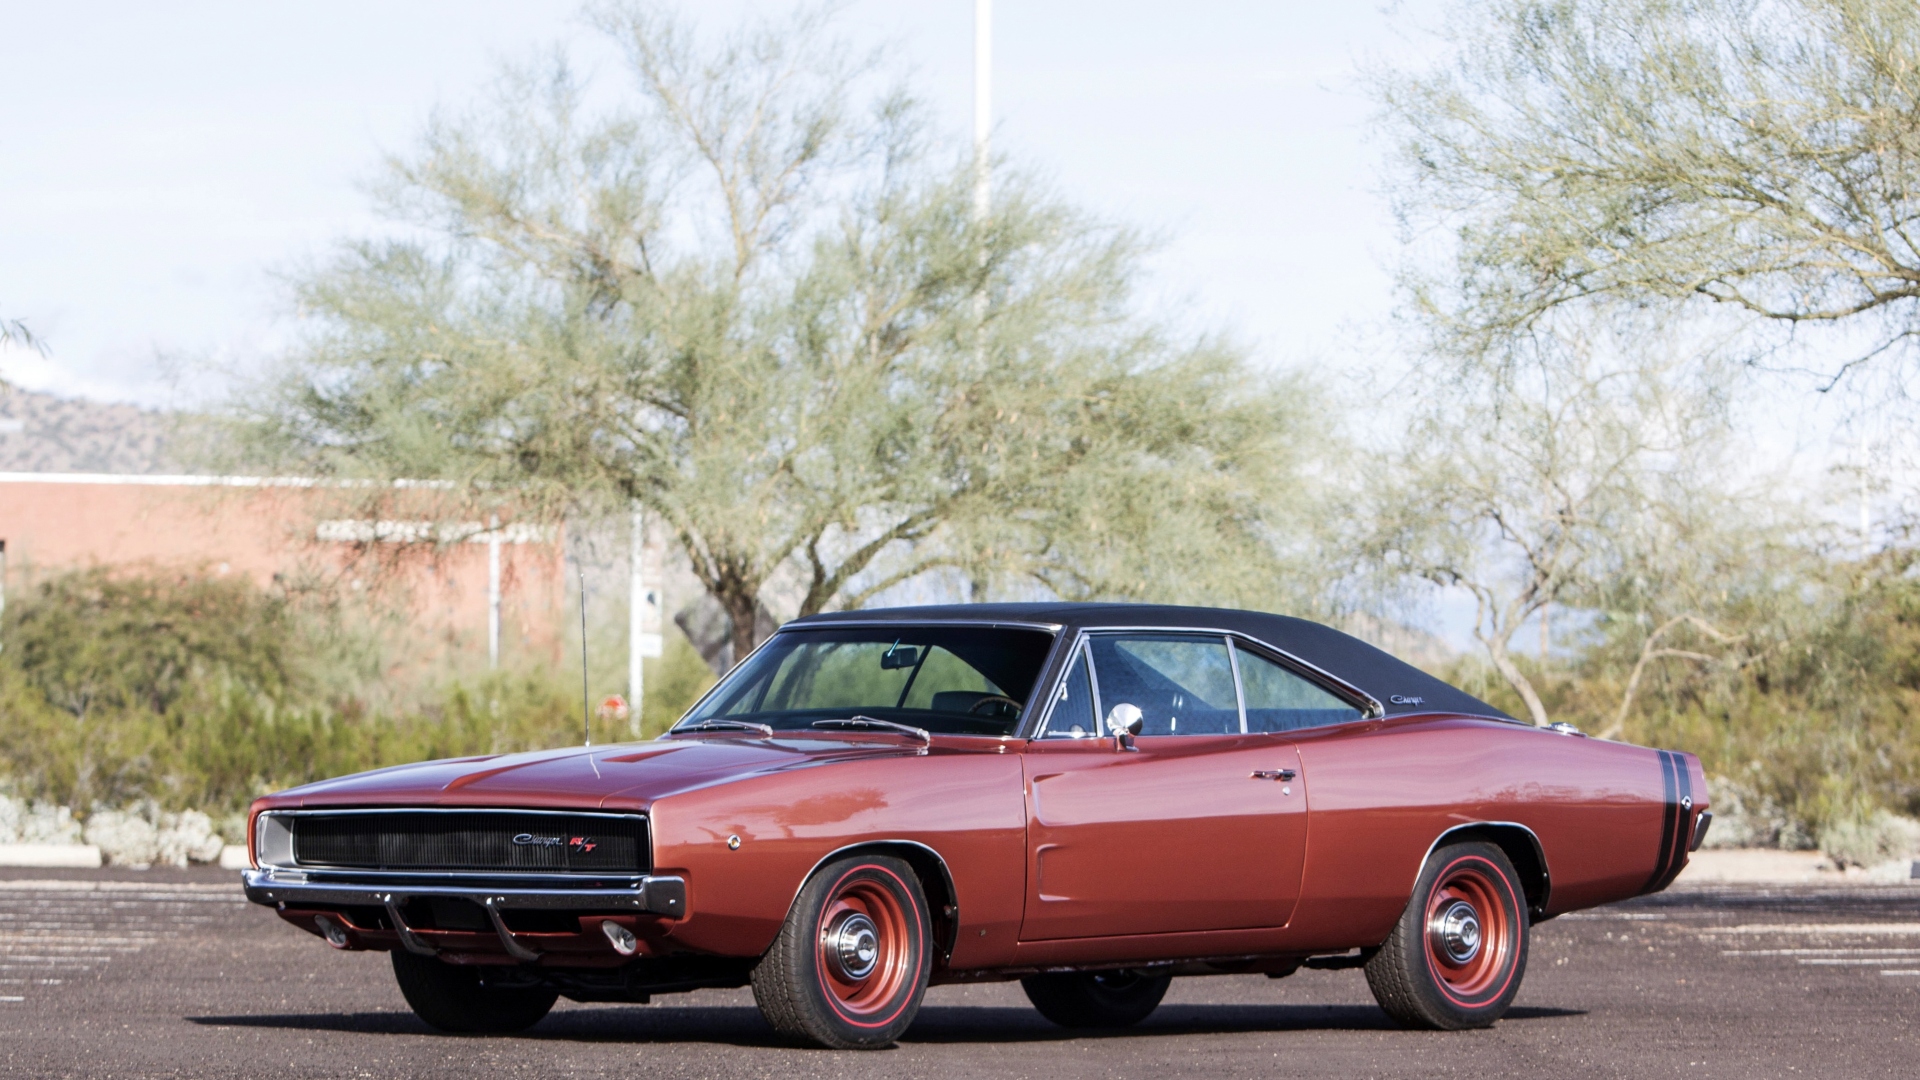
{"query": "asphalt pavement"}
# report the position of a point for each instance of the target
(170, 973)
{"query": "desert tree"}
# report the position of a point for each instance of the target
(1525, 485)
(1743, 171)
(1705, 585)
(1759, 159)
(747, 290)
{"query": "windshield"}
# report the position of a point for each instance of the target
(958, 680)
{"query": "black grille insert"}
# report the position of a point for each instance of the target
(472, 840)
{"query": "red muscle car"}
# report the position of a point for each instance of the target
(1089, 798)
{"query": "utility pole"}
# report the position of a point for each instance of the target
(982, 160)
(982, 107)
(982, 190)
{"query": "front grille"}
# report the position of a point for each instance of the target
(482, 840)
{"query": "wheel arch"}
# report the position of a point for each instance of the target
(1523, 850)
(936, 881)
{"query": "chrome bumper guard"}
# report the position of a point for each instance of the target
(650, 895)
(1700, 826)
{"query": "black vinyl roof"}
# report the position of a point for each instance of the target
(1399, 686)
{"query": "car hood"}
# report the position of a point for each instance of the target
(624, 777)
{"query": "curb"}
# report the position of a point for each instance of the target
(85, 856)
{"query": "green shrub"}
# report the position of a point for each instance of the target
(96, 639)
(1883, 837)
(197, 693)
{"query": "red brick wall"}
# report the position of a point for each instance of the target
(55, 522)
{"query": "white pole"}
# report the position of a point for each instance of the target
(636, 625)
(1866, 505)
(586, 706)
(493, 591)
(982, 105)
(982, 155)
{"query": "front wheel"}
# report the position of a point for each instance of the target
(851, 963)
(458, 999)
(1456, 957)
(1096, 999)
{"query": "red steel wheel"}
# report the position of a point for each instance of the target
(1457, 955)
(1468, 932)
(865, 945)
(851, 963)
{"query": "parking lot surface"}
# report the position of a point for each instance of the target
(170, 973)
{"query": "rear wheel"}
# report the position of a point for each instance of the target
(457, 999)
(1457, 955)
(850, 966)
(1096, 999)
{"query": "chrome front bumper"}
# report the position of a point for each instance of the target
(281, 888)
(650, 895)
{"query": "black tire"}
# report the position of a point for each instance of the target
(456, 999)
(1096, 999)
(1449, 968)
(820, 984)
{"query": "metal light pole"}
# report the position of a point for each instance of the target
(982, 106)
(982, 187)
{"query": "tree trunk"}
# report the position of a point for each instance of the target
(1649, 652)
(741, 604)
(1503, 663)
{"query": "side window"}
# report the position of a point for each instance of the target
(1072, 716)
(1182, 684)
(1279, 700)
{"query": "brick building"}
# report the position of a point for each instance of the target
(497, 589)
(85, 484)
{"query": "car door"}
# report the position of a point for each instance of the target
(1198, 825)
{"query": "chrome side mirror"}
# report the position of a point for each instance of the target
(1124, 722)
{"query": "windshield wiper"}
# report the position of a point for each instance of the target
(725, 725)
(922, 734)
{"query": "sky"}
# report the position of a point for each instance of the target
(165, 165)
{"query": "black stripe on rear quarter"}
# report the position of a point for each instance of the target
(1669, 787)
(1681, 813)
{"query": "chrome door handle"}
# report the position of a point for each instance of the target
(1273, 774)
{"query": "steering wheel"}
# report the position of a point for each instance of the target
(995, 699)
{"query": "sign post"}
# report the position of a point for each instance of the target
(643, 620)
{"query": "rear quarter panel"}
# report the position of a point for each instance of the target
(966, 806)
(1380, 794)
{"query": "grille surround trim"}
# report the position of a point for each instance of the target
(463, 841)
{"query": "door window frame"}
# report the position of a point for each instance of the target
(1370, 707)
(1075, 653)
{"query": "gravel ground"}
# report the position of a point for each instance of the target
(170, 973)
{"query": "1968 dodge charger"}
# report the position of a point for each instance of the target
(1091, 799)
